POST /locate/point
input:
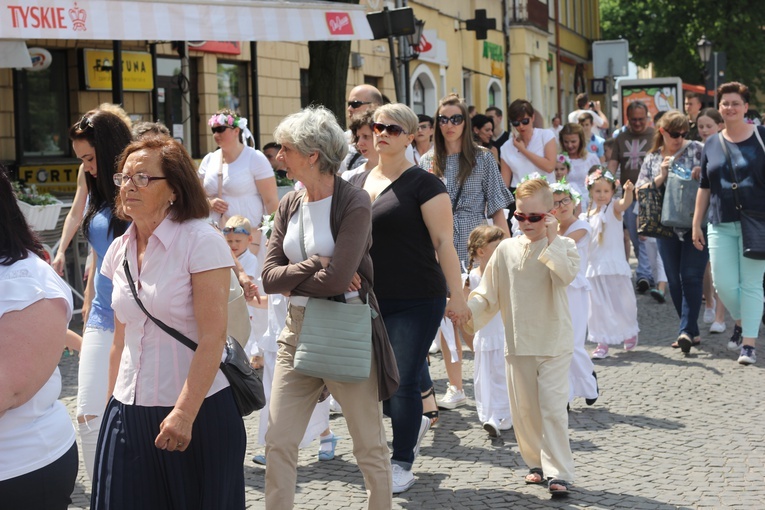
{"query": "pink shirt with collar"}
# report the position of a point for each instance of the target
(154, 365)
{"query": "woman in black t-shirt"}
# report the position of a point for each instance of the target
(414, 260)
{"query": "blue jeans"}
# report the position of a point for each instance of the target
(685, 266)
(738, 280)
(643, 270)
(412, 324)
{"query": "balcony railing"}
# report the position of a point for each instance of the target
(529, 12)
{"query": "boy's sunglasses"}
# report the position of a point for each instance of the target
(454, 119)
(356, 104)
(517, 123)
(392, 129)
(220, 129)
(235, 230)
(675, 136)
(531, 218)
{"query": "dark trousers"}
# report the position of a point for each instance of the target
(412, 324)
(47, 488)
(685, 266)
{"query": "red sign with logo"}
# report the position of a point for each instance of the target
(339, 23)
(424, 45)
(227, 47)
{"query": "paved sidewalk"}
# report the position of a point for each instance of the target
(667, 432)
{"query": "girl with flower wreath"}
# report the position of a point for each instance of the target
(612, 318)
(582, 381)
(580, 160)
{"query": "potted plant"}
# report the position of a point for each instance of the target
(41, 210)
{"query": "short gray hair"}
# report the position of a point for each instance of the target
(314, 129)
(401, 114)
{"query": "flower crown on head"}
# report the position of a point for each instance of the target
(564, 159)
(601, 173)
(563, 186)
(221, 119)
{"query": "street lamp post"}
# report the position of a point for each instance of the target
(704, 47)
(409, 54)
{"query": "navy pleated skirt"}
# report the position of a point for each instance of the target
(132, 473)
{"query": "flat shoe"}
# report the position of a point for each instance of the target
(658, 295)
(329, 454)
(685, 343)
(259, 459)
(558, 492)
(696, 342)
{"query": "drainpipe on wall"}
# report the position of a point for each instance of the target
(506, 36)
(557, 60)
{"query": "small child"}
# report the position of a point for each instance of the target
(581, 377)
(238, 233)
(492, 401)
(613, 307)
(562, 166)
(525, 280)
(608, 149)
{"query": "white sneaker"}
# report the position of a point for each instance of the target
(435, 346)
(402, 479)
(453, 398)
(424, 427)
(709, 315)
(717, 327)
(492, 427)
(506, 424)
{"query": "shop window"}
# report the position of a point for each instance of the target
(44, 124)
(232, 87)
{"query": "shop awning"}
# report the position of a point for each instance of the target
(183, 20)
(14, 54)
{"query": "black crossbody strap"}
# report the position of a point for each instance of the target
(164, 327)
(457, 198)
(732, 167)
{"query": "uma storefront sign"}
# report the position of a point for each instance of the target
(136, 70)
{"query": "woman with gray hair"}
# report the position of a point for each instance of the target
(337, 236)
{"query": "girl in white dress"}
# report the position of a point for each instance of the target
(580, 159)
(582, 381)
(492, 400)
(613, 308)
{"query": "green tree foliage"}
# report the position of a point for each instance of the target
(665, 33)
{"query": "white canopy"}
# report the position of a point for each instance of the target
(183, 20)
(14, 54)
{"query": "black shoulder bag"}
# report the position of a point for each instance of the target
(752, 222)
(244, 380)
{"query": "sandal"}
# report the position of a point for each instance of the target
(558, 492)
(431, 415)
(695, 343)
(684, 342)
(531, 478)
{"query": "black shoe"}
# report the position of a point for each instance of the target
(590, 401)
(643, 285)
(734, 343)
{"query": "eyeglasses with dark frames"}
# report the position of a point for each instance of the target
(391, 129)
(140, 180)
(357, 104)
(562, 201)
(456, 119)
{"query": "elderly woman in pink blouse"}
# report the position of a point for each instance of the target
(171, 436)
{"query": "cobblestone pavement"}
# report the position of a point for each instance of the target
(667, 432)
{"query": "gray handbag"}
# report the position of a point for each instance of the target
(679, 200)
(335, 341)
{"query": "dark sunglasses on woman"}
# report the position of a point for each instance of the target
(517, 123)
(392, 129)
(675, 136)
(454, 119)
(85, 123)
(531, 218)
(219, 129)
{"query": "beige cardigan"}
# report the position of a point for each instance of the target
(351, 225)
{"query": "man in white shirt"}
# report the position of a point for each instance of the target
(500, 135)
(592, 107)
(423, 139)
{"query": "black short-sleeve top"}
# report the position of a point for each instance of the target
(403, 254)
(748, 157)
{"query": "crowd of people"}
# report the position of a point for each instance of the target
(494, 225)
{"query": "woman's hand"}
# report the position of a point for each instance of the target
(698, 238)
(664, 167)
(355, 283)
(696, 173)
(457, 310)
(325, 262)
(518, 143)
(219, 205)
(174, 431)
(58, 263)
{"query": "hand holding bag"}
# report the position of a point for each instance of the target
(650, 201)
(244, 380)
(752, 222)
(335, 341)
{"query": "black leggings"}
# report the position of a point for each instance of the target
(48, 488)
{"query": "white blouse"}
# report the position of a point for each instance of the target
(520, 165)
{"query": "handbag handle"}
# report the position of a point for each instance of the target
(729, 162)
(164, 327)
